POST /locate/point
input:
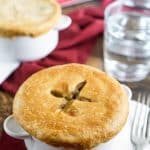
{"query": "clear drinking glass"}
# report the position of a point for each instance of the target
(127, 40)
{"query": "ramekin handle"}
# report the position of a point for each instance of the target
(64, 23)
(13, 129)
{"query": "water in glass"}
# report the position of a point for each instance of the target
(127, 46)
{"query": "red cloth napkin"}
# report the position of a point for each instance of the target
(75, 45)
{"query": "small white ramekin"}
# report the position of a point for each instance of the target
(15, 131)
(26, 48)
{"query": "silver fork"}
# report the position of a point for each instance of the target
(140, 130)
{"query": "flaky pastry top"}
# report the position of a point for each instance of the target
(28, 17)
(71, 105)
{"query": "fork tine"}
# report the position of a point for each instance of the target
(141, 100)
(133, 126)
(148, 119)
(135, 121)
(145, 111)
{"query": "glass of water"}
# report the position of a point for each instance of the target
(127, 40)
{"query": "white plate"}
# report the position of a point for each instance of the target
(122, 140)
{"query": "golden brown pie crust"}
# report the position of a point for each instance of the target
(28, 17)
(71, 105)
